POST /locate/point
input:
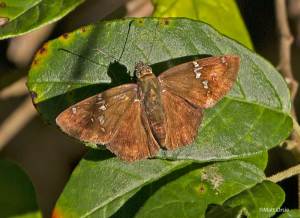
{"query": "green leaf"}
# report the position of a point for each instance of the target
(26, 16)
(227, 212)
(252, 118)
(189, 195)
(263, 200)
(223, 15)
(290, 214)
(12, 9)
(17, 197)
(101, 184)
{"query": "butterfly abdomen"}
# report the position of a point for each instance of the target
(150, 95)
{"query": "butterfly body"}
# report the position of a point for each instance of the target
(150, 96)
(135, 120)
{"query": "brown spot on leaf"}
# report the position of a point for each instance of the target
(166, 21)
(3, 21)
(35, 62)
(83, 29)
(2, 5)
(201, 188)
(141, 21)
(65, 35)
(42, 50)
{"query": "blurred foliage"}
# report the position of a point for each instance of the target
(26, 16)
(17, 197)
(223, 15)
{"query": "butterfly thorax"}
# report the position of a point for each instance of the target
(150, 96)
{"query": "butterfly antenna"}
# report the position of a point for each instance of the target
(153, 41)
(102, 52)
(126, 39)
(80, 56)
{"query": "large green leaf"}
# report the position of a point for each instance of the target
(17, 195)
(221, 14)
(253, 117)
(260, 201)
(100, 184)
(189, 195)
(25, 16)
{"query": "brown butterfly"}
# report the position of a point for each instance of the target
(135, 120)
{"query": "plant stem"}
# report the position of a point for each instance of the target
(295, 170)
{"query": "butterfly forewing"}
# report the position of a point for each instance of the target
(202, 82)
(96, 118)
(182, 123)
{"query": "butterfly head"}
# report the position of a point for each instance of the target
(142, 70)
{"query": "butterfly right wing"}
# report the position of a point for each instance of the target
(202, 82)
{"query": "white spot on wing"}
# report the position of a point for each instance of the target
(102, 108)
(101, 119)
(197, 69)
(223, 59)
(74, 110)
(100, 101)
(195, 64)
(205, 84)
(198, 75)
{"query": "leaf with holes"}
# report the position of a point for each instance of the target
(25, 16)
(252, 118)
(225, 18)
(17, 197)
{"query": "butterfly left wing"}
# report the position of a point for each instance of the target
(202, 82)
(115, 118)
(96, 118)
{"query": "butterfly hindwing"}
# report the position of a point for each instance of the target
(96, 118)
(133, 139)
(182, 120)
(202, 82)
